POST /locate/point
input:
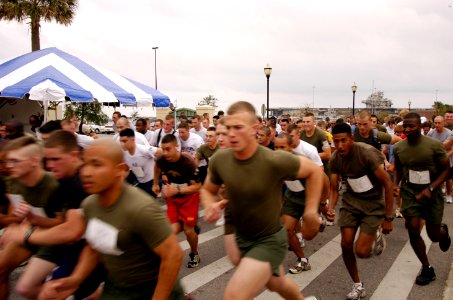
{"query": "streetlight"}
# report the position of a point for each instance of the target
(354, 89)
(267, 72)
(409, 102)
(155, 67)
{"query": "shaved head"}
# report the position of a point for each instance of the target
(110, 148)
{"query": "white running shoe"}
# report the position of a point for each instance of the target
(357, 292)
(379, 244)
(448, 199)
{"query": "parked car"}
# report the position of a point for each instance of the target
(107, 128)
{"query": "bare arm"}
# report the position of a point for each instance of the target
(209, 200)
(314, 183)
(171, 256)
(384, 179)
(334, 179)
(64, 287)
(68, 232)
(326, 153)
(395, 139)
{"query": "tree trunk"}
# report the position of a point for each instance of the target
(35, 42)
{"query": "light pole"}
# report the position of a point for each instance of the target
(409, 102)
(267, 72)
(155, 66)
(354, 89)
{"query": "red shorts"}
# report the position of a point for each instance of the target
(183, 209)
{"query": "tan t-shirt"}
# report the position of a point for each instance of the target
(253, 187)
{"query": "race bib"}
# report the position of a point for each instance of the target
(419, 177)
(138, 171)
(361, 184)
(102, 237)
(295, 186)
(181, 185)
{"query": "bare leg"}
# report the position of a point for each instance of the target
(30, 282)
(11, 257)
(192, 238)
(291, 224)
(347, 250)
(413, 228)
(284, 286)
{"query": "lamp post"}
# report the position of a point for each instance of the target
(155, 66)
(267, 72)
(354, 89)
(409, 102)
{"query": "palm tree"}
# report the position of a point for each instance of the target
(61, 11)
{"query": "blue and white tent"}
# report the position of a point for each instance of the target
(54, 75)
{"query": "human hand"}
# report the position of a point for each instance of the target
(59, 289)
(22, 210)
(214, 211)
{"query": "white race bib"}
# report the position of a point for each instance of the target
(419, 177)
(181, 185)
(102, 237)
(361, 184)
(295, 186)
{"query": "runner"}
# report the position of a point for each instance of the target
(33, 187)
(252, 176)
(363, 206)
(181, 192)
(421, 165)
(294, 205)
(139, 159)
(126, 230)
(205, 151)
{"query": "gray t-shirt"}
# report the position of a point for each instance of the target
(440, 136)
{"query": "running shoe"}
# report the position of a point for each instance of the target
(194, 260)
(379, 244)
(323, 223)
(311, 298)
(449, 199)
(357, 292)
(426, 276)
(398, 213)
(301, 241)
(444, 244)
(300, 266)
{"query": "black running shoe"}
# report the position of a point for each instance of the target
(444, 244)
(426, 276)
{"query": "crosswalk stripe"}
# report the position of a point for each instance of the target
(204, 237)
(319, 261)
(400, 278)
(204, 275)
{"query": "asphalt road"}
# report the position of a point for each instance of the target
(389, 276)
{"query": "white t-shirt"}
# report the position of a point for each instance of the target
(84, 140)
(190, 146)
(309, 151)
(162, 134)
(149, 136)
(201, 133)
(141, 162)
(140, 139)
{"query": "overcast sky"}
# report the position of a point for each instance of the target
(401, 47)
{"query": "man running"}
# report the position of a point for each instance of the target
(362, 167)
(181, 192)
(127, 230)
(421, 165)
(252, 176)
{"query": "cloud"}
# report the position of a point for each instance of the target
(401, 47)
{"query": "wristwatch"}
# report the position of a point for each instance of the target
(389, 218)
